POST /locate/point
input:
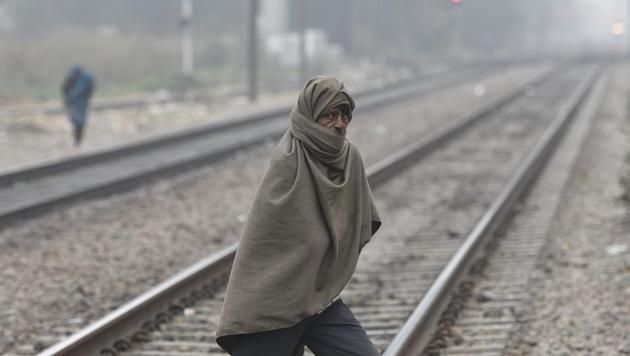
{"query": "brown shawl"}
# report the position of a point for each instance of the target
(311, 216)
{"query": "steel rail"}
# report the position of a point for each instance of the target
(35, 170)
(196, 281)
(415, 334)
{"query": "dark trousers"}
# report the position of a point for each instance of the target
(78, 132)
(77, 113)
(333, 332)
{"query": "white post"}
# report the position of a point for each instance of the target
(303, 60)
(252, 49)
(187, 38)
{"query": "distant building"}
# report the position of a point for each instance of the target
(279, 28)
(332, 16)
(283, 47)
(273, 17)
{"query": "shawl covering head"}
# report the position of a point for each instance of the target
(311, 216)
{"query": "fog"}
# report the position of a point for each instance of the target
(135, 46)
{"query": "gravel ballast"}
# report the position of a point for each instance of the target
(64, 269)
(581, 286)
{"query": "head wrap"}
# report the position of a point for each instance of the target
(311, 216)
(342, 101)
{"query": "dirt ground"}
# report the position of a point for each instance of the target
(581, 286)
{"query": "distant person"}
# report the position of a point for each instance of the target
(77, 89)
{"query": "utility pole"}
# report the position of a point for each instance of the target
(456, 16)
(252, 61)
(187, 39)
(303, 60)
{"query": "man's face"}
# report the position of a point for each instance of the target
(336, 120)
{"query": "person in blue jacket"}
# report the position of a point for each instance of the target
(77, 89)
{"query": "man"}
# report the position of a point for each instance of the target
(311, 216)
(77, 89)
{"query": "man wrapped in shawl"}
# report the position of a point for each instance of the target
(311, 216)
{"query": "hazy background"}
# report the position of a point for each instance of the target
(134, 46)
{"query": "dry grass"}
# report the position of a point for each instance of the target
(34, 68)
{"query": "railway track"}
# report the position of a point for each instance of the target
(35, 189)
(178, 316)
(483, 317)
(506, 280)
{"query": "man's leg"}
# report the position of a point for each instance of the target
(78, 133)
(80, 122)
(74, 114)
(281, 342)
(336, 332)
